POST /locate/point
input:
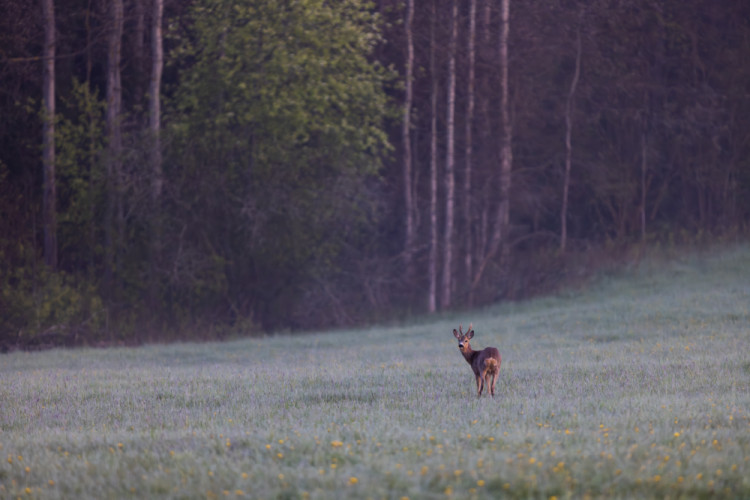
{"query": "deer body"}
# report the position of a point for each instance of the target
(485, 363)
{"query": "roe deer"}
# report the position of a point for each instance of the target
(484, 363)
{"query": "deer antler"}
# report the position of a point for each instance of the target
(469, 329)
(460, 330)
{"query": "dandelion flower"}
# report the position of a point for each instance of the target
(353, 480)
(480, 482)
(281, 477)
(336, 444)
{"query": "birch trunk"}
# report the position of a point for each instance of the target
(469, 151)
(406, 140)
(432, 259)
(49, 201)
(506, 150)
(569, 146)
(157, 54)
(113, 222)
(450, 181)
(157, 181)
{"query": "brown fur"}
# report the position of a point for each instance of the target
(485, 363)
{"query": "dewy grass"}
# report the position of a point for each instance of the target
(636, 387)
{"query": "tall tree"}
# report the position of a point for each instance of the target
(278, 138)
(48, 155)
(506, 149)
(113, 224)
(157, 65)
(157, 179)
(433, 253)
(569, 144)
(450, 161)
(469, 150)
(406, 141)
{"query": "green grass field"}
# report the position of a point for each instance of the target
(636, 386)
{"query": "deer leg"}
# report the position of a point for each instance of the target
(480, 384)
(494, 381)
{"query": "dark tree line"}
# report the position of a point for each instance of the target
(195, 169)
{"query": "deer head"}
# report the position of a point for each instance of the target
(463, 338)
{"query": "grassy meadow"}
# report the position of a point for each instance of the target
(637, 385)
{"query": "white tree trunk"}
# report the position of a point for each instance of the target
(114, 210)
(157, 54)
(450, 158)
(406, 140)
(506, 150)
(432, 259)
(469, 150)
(569, 146)
(48, 154)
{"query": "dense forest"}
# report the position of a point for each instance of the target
(196, 169)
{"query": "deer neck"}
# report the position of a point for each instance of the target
(469, 355)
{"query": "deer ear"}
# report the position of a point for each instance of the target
(455, 333)
(470, 334)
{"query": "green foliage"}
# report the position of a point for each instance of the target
(278, 136)
(44, 308)
(81, 140)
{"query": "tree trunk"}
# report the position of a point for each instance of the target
(113, 221)
(139, 62)
(48, 155)
(157, 58)
(450, 181)
(568, 145)
(157, 55)
(644, 169)
(506, 150)
(432, 259)
(467, 201)
(406, 140)
(499, 236)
